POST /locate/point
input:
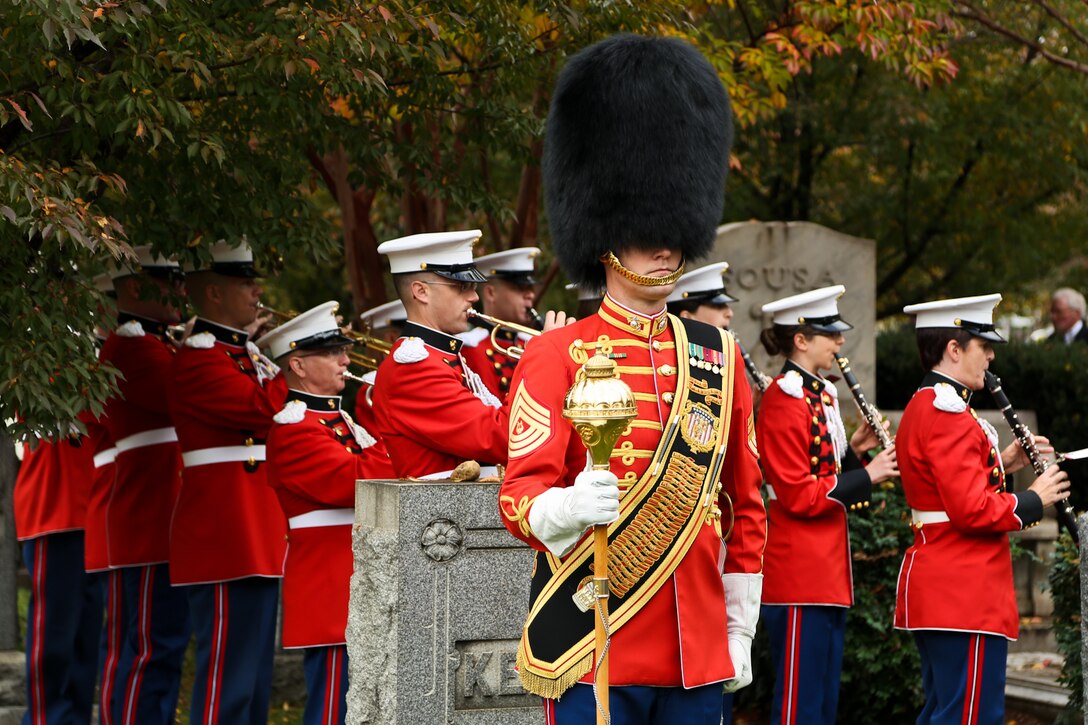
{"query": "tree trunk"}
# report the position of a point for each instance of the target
(9, 546)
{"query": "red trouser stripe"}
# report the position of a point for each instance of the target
(332, 686)
(143, 640)
(113, 646)
(37, 622)
(218, 652)
(976, 648)
(791, 665)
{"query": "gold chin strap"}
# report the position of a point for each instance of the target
(641, 279)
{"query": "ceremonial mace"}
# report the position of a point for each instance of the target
(599, 405)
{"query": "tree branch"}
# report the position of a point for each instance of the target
(982, 19)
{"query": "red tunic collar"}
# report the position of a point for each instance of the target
(633, 323)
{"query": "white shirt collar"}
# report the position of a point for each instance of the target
(1073, 332)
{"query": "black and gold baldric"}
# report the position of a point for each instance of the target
(661, 516)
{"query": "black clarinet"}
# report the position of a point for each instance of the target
(535, 318)
(760, 378)
(868, 410)
(1066, 516)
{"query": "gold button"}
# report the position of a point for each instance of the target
(332, 404)
(815, 419)
(498, 366)
(249, 441)
(666, 370)
(656, 345)
(667, 397)
(252, 461)
(347, 448)
(816, 439)
(997, 471)
(815, 460)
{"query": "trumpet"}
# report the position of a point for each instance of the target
(281, 316)
(511, 350)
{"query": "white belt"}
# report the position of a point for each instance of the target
(225, 454)
(325, 517)
(147, 438)
(485, 471)
(104, 458)
(918, 518)
(770, 492)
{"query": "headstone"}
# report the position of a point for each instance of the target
(771, 260)
(438, 599)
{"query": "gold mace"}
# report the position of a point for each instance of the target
(600, 406)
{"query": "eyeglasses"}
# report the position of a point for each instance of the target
(334, 352)
(462, 287)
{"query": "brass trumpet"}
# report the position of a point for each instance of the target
(511, 350)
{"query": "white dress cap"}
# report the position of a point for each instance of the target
(703, 284)
(513, 265)
(147, 262)
(974, 314)
(819, 309)
(384, 315)
(448, 254)
(313, 329)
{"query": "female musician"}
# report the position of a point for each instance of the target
(813, 479)
(955, 592)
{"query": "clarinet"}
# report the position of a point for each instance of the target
(535, 318)
(760, 378)
(868, 410)
(1066, 516)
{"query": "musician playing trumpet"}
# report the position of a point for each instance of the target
(508, 294)
(955, 590)
(815, 479)
(315, 454)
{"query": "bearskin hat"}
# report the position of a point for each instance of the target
(635, 152)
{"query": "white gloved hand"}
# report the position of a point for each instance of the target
(559, 516)
(742, 595)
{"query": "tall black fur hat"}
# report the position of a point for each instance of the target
(635, 152)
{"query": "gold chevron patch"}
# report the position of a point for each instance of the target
(530, 424)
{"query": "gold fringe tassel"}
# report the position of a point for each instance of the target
(547, 687)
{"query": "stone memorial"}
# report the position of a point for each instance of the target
(770, 260)
(438, 599)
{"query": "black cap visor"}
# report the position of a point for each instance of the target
(828, 325)
(457, 272)
(982, 330)
(322, 341)
(246, 270)
(710, 297)
(519, 279)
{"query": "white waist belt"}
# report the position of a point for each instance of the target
(325, 517)
(104, 458)
(928, 517)
(484, 472)
(147, 438)
(225, 454)
(770, 492)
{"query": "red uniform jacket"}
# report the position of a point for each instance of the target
(808, 545)
(95, 548)
(147, 463)
(494, 367)
(958, 574)
(52, 487)
(315, 455)
(227, 522)
(428, 417)
(679, 635)
(364, 410)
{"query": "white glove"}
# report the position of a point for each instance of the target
(559, 516)
(742, 595)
